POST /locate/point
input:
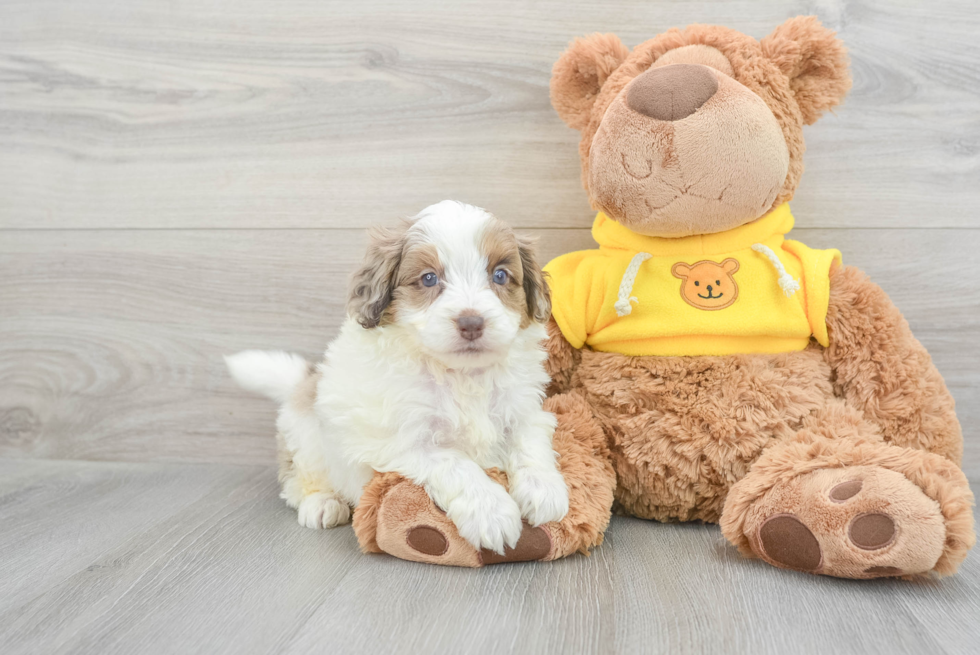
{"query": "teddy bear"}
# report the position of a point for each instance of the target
(704, 366)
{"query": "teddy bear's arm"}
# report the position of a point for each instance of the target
(882, 370)
(562, 359)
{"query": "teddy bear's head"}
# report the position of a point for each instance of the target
(701, 130)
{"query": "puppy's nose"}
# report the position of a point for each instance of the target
(470, 327)
(710, 288)
(671, 92)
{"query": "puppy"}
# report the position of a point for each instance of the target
(438, 374)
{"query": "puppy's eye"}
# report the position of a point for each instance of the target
(696, 283)
(430, 280)
(500, 276)
(718, 282)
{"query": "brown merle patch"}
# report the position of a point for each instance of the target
(418, 258)
(500, 246)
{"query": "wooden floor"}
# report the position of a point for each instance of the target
(185, 179)
(103, 557)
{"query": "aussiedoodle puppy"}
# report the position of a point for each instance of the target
(438, 374)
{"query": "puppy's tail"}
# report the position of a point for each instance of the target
(274, 374)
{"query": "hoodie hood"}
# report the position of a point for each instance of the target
(611, 235)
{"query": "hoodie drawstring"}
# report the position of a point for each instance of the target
(623, 306)
(786, 281)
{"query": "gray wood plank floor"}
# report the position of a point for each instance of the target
(165, 558)
(180, 180)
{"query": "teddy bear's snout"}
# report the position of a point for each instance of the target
(672, 92)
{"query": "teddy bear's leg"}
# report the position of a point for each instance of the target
(851, 505)
(397, 517)
(882, 370)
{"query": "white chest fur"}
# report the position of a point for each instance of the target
(471, 414)
(380, 398)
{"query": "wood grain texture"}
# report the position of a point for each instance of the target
(330, 114)
(208, 560)
(112, 341)
(182, 180)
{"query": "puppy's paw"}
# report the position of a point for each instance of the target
(541, 494)
(321, 510)
(487, 517)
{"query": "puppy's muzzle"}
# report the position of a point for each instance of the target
(470, 326)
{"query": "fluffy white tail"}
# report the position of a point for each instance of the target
(271, 373)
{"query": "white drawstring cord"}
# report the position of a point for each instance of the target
(623, 306)
(786, 281)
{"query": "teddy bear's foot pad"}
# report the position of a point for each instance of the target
(534, 544)
(853, 522)
(788, 542)
(411, 527)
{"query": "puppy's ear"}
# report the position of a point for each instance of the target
(579, 74)
(815, 61)
(536, 291)
(372, 286)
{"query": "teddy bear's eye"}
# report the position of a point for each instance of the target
(696, 283)
(718, 282)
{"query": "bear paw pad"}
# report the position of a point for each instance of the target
(855, 522)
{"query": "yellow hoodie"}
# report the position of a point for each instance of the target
(747, 290)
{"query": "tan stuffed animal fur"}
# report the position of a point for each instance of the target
(839, 459)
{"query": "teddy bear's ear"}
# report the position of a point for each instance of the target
(579, 74)
(815, 61)
(680, 270)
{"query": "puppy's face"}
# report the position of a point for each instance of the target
(457, 279)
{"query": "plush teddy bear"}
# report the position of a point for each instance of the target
(704, 366)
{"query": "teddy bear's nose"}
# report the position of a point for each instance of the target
(671, 92)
